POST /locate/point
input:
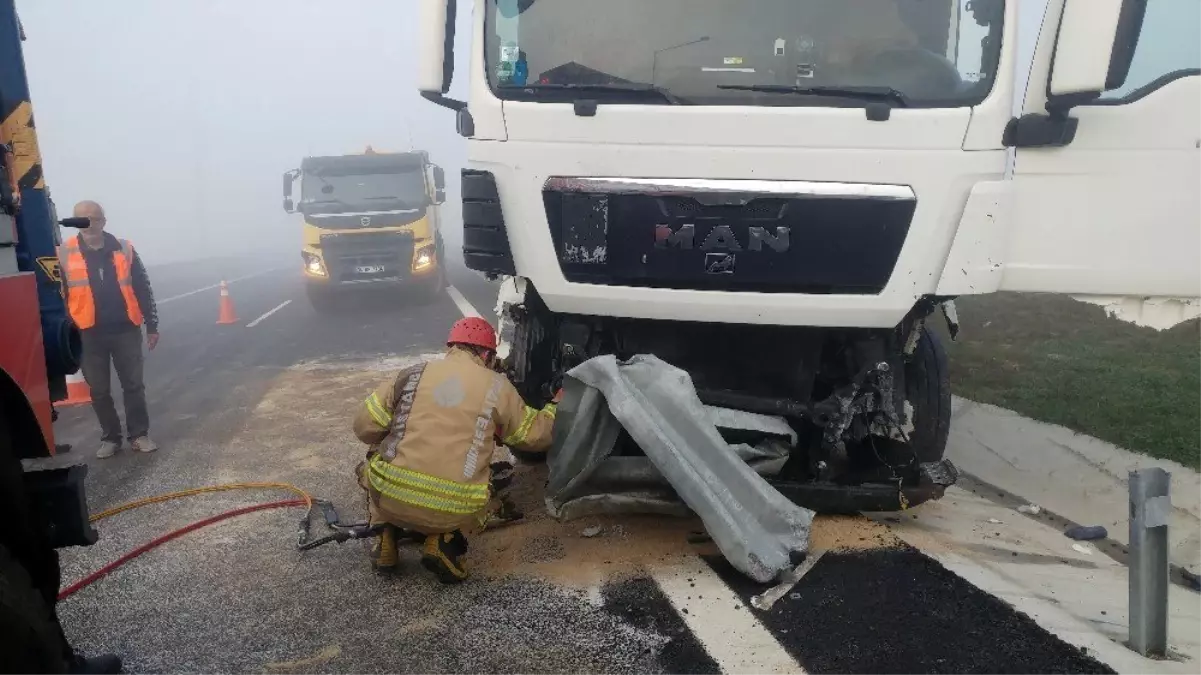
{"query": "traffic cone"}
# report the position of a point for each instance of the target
(78, 391)
(226, 315)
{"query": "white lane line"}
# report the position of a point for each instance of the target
(217, 285)
(259, 320)
(723, 623)
(464, 306)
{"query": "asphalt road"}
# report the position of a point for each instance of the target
(270, 399)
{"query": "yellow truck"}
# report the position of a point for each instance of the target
(371, 221)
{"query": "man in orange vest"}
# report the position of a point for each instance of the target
(109, 297)
(433, 467)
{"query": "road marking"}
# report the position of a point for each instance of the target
(721, 621)
(217, 285)
(259, 320)
(464, 306)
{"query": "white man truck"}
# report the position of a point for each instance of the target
(777, 195)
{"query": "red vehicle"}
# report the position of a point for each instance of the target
(41, 492)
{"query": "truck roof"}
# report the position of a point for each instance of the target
(366, 163)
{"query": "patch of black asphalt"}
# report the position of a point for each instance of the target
(641, 604)
(899, 611)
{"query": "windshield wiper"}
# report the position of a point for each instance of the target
(866, 93)
(339, 202)
(645, 90)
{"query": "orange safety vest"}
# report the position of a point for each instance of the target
(81, 303)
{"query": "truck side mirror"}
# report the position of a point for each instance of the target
(439, 185)
(77, 222)
(1094, 47)
(436, 60)
(289, 178)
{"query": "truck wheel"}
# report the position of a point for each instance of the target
(928, 390)
(434, 289)
(320, 299)
(29, 638)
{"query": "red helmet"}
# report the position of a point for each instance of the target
(472, 330)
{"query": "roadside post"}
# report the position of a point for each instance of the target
(1150, 510)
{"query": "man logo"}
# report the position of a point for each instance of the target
(365, 221)
(722, 238)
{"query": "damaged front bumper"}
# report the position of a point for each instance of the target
(827, 497)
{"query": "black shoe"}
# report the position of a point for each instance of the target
(103, 664)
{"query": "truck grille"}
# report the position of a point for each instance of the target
(367, 257)
(715, 235)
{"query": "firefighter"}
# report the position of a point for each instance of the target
(432, 466)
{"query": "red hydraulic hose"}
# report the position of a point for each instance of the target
(154, 543)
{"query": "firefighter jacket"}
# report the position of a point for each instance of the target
(106, 288)
(433, 430)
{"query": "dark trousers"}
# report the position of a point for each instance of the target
(123, 350)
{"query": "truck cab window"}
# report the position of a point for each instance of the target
(937, 53)
(1169, 47)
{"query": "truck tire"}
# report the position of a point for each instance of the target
(29, 634)
(928, 390)
(31, 640)
(434, 289)
(320, 299)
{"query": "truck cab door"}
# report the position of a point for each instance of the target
(1107, 172)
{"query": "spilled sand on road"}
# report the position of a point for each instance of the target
(543, 547)
(843, 533)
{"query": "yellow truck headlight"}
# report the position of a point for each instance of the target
(424, 258)
(313, 264)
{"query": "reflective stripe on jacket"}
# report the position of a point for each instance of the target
(81, 303)
(434, 430)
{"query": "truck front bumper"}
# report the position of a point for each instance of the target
(416, 282)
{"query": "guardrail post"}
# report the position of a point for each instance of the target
(1150, 510)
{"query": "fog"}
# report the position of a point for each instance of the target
(180, 116)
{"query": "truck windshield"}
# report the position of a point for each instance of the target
(933, 53)
(330, 191)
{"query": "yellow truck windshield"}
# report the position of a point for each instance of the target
(333, 192)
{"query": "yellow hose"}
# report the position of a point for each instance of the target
(308, 499)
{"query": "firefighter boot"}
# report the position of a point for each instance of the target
(383, 554)
(443, 556)
(507, 512)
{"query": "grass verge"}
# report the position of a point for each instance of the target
(1065, 362)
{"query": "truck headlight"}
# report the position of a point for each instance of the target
(313, 264)
(424, 258)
